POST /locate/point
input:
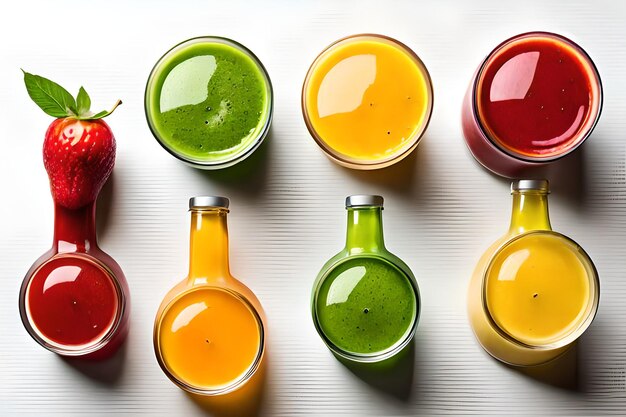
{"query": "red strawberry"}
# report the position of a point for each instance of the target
(79, 156)
(79, 147)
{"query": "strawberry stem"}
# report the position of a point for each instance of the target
(115, 106)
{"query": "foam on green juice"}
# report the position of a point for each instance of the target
(365, 305)
(209, 101)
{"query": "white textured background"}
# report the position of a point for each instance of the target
(287, 215)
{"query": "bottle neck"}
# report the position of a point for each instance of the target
(365, 230)
(74, 229)
(530, 212)
(208, 255)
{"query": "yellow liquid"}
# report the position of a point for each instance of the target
(537, 289)
(210, 338)
(367, 98)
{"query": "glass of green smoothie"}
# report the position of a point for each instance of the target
(365, 302)
(209, 102)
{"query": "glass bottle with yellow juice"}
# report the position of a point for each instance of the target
(209, 333)
(367, 100)
(534, 291)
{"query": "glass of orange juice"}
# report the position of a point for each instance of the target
(534, 291)
(367, 100)
(209, 332)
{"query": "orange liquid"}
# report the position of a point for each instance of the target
(210, 338)
(368, 98)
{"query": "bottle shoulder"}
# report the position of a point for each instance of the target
(348, 254)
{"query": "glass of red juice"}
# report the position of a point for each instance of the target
(74, 299)
(534, 99)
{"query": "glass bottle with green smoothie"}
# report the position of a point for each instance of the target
(365, 302)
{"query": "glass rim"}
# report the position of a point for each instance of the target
(224, 389)
(73, 350)
(597, 105)
(416, 137)
(254, 143)
(591, 308)
(379, 356)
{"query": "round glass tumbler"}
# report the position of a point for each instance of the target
(534, 291)
(365, 302)
(209, 102)
(534, 99)
(367, 100)
(209, 332)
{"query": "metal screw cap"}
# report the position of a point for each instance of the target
(363, 200)
(530, 185)
(208, 201)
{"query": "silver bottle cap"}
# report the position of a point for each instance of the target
(530, 185)
(363, 200)
(208, 201)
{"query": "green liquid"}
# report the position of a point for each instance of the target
(209, 101)
(366, 305)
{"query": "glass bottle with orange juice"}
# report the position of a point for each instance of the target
(209, 332)
(534, 291)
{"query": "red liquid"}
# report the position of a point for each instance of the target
(72, 301)
(538, 96)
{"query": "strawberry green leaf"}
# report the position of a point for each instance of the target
(99, 115)
(83, 103)
(104, 113)
(50, 96)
